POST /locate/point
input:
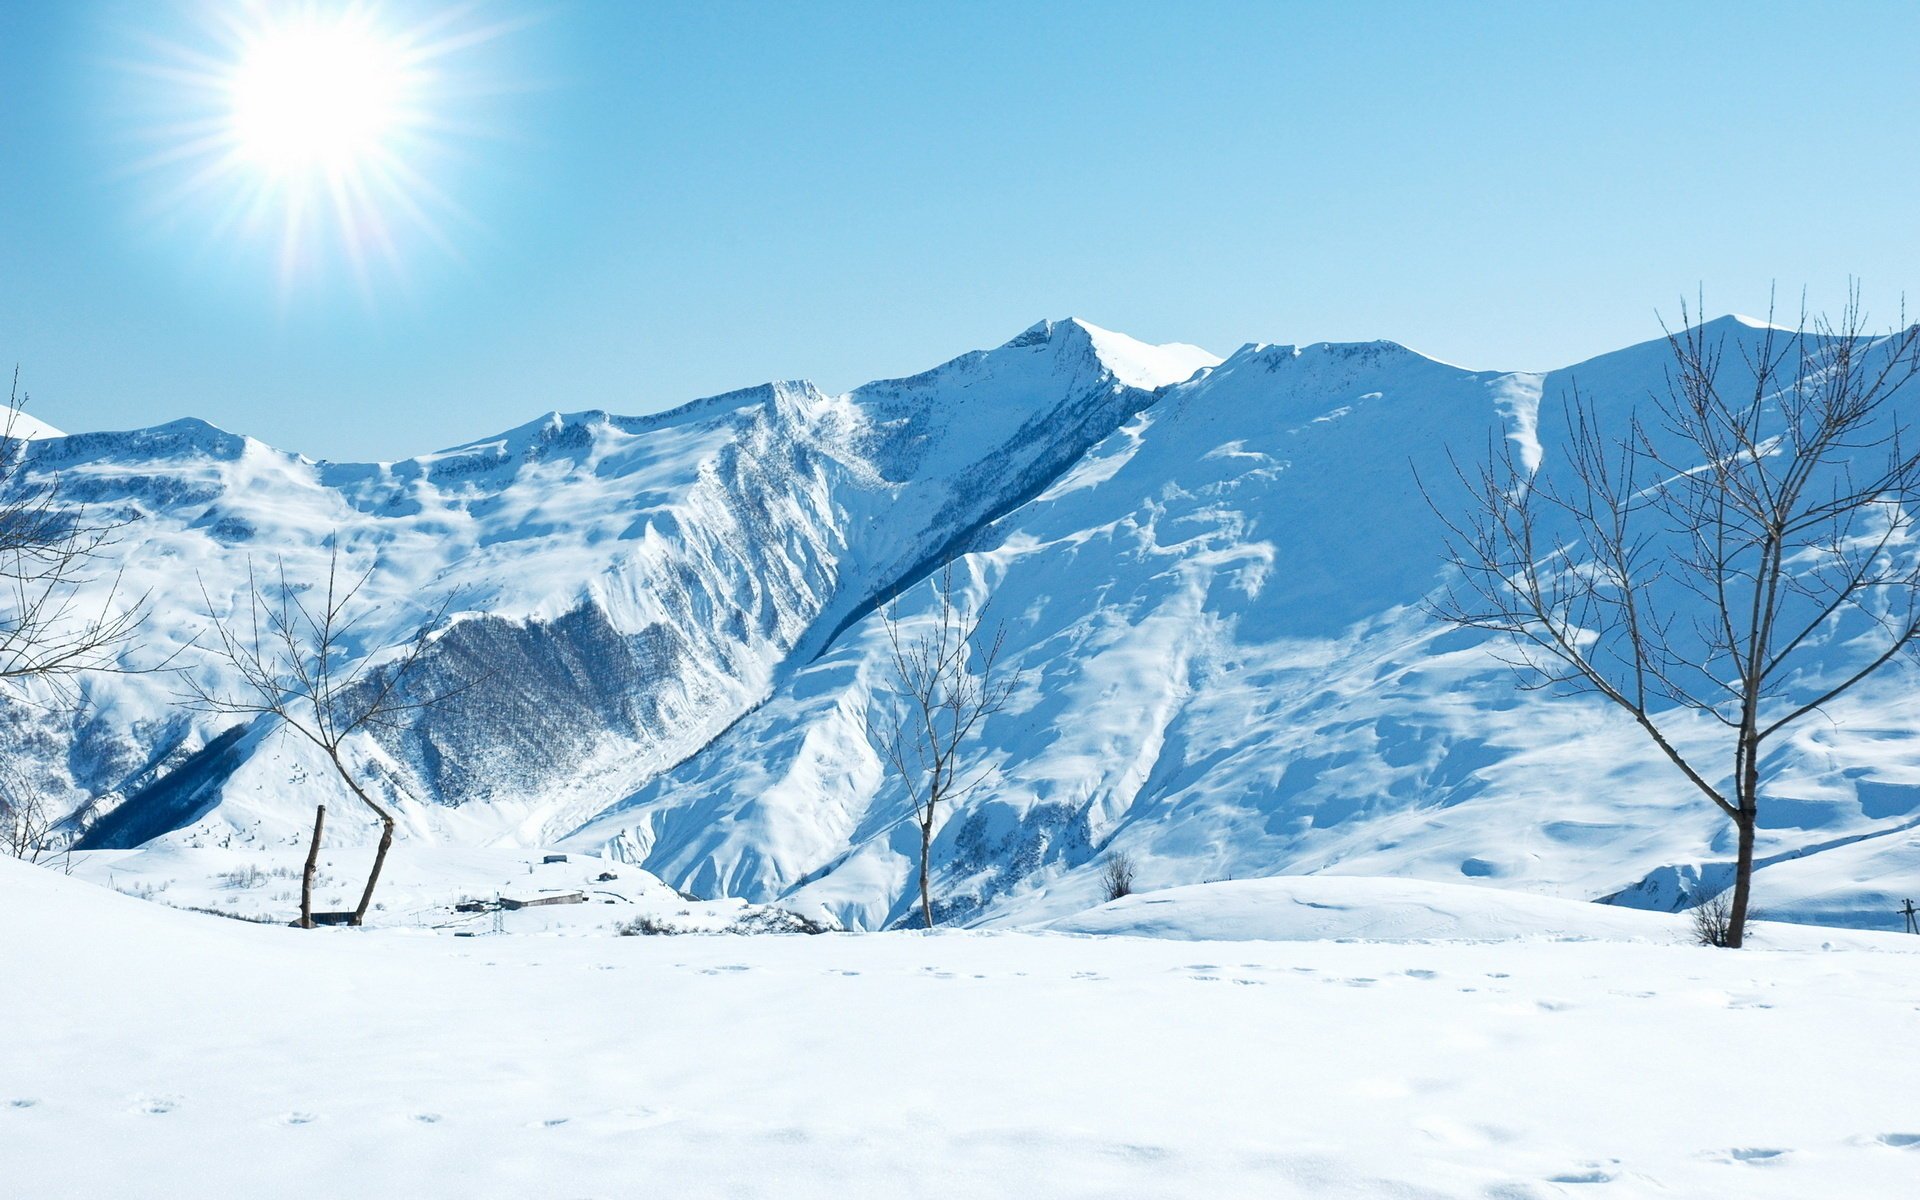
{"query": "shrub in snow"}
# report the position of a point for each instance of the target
(644, 925)
(1713, 922)
(249, 876)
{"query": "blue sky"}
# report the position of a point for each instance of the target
(659, 202)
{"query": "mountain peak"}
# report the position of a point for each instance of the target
(1131, 361)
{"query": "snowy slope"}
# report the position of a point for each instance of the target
(1228, 674)
(627, 586)
(1211, 574)
(165, 1054)
(19, 423)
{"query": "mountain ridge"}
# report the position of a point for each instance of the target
(1214, 585)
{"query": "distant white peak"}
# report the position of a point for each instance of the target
(1727, 323)
(25, 426)
(1129, 360)
(1272, 355)
(1758, 322)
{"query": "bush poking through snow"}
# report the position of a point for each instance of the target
(765, 920)
(241, 878)
(646, 926)
(1713, 922)
(250, 918)
(1116, 876)
(776, 920)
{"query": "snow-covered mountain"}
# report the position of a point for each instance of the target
(1210, 573)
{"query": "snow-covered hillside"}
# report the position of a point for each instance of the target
(1211, 575)
(164, 1054)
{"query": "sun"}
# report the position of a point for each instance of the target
(320, 133)
(320, 94)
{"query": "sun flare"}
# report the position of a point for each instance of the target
(317, 133)
(321, 95)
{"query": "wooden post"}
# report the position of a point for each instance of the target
(313, 861)
(1913, 918)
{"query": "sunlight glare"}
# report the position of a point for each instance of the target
(321, 132)
(313, 95)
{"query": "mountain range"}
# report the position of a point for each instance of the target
(1211, 575)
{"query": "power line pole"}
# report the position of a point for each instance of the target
(1913, 918)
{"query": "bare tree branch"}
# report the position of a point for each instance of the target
(947, 680)
(1778, 517)
(296, 667)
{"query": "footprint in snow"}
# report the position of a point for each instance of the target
(1421, 973)
(22, 1103)
(1585, 1175)
(427, 1118)
(1088, 975)
(157, 1105)
(1755, 1154)
(1205, 978)
(553, 1122)
(1899, 1141)
(298, 1118)
(1360, 981)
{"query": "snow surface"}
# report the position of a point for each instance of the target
(1212, 575)
(162, 1054)
(1137, 364)
(18, 423)
(423, 887)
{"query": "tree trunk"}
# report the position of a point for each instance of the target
(1747, 801)
(1742, 881)
(926, 852)
(386, 837)
(373, 876)
(313, 861)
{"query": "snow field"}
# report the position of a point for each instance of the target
(167, 1054)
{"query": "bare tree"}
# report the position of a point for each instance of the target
(26, 829)
(296, 668)
(1712, 920)
(1116, 874)
(1706, 560)
(948, 682)
(51, 553)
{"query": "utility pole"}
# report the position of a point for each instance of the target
(1913, 918)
